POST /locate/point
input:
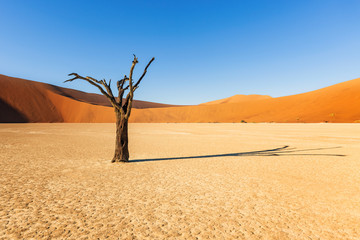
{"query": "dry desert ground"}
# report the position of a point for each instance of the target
(185, 181)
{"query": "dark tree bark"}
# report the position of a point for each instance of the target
(122, 107)
(121, 141)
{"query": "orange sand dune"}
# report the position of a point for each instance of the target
(337, 103)
(28, 101)
(238, 98)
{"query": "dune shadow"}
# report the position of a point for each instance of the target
(90, 98)
(9, 114)
(281, 151)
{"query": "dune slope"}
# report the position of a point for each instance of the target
(337, 103)
(238, 98)
(29, 101)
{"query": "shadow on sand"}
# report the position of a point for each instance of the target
(282, 151)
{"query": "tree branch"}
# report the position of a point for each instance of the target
(121, 89)
(143, 75)
(96, 83)
(109, 91)
(120, 83)
(130, 96)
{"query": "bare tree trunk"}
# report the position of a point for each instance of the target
(121, 142)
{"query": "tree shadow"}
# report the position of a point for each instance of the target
(281, 151)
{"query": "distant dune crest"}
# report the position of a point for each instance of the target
(28, 101)
(238, 98)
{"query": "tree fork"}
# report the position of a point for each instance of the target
(122, 108)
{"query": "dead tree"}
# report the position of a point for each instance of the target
(121, 106)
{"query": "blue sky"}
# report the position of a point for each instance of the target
(204, 50)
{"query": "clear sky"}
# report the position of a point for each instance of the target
(204, 50)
